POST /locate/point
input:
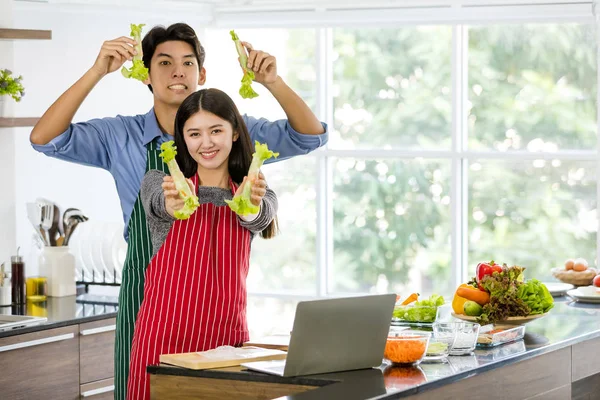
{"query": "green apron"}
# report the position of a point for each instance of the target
(139, 252)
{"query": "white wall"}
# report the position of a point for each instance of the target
(7, 154)
(48, 69)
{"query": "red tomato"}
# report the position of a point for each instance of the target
(597, 281)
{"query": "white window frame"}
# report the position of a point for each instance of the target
(458, 155)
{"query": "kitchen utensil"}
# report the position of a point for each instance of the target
(34, 214)
(73, 217)
(54, 230)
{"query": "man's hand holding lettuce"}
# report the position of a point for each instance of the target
(246, 90)
(138, 70)
(191, 200)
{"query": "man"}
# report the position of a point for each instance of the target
(128, 146)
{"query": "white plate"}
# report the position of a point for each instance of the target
(509, 320)
(558, 288)
(585, 294)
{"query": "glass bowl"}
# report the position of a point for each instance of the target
(461, 336)
(407, 347)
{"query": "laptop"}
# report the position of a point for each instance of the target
(333, 335)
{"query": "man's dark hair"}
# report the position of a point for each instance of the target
(176, 32)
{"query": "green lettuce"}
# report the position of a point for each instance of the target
(138, 70)
(246, 90)
(420, 311)
(190, 199)
(241, 203)
(536, 295)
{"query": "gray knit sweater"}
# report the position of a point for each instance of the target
(159, 221)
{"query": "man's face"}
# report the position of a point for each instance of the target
(174, 72)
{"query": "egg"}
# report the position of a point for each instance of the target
(580, 264)
(569, 264)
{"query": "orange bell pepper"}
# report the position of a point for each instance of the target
(459, 302)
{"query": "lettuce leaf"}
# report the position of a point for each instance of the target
(537, 296)
(241, 203)
(138, 70)
(246, 90)
(190, 199)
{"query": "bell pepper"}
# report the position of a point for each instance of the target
(485, 269)
(459, 302)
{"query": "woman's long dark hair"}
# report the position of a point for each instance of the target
(219, 103)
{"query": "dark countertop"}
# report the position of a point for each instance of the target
(568, 323)
(62, 311)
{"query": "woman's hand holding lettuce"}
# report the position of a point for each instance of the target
(190, 199)
(241, 203)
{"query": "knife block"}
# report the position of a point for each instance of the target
(57, 264)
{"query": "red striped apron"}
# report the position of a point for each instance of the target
(194, 293)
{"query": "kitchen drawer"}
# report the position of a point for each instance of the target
(585, 359)
(96, 350)
(40, 365)
(100, 390)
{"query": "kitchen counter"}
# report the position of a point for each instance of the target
(62, 311)
(557, 356)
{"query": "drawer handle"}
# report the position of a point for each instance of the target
(101, 390)
(95, 331)
(37, 342)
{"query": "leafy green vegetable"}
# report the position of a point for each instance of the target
(241, 203)
(246, 90)
(191, 200)
(504, 295)
(536, 295)
(420, 311)
(138, 70)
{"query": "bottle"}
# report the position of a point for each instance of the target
(18, 279)
(5, 290)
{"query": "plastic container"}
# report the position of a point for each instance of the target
(58, 266)
(407, 347)
(413, 313)
(495, 335)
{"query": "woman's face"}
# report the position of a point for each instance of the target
(209, 139)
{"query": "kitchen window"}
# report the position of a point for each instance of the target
(449, 145)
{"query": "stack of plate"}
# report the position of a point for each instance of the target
(586, 294)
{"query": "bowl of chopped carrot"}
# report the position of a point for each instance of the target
(406, 347)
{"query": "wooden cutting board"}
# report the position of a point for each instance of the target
(278, 342)
(222, 357)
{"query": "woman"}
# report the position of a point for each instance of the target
(195, 288)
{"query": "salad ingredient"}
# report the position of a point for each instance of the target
(504, 298)
(420, 311)
(472, 309)
(241, 203)
(436, 348)
(478, 296)
(485, 269)
(191, 200)
(405, 349)
(596, 281)
(410, 299)
(458, 302)
(246, 90)
(580, 264)
(536, 295)
(569, 264)
(138, 70)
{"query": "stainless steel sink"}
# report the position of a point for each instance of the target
(8, 322)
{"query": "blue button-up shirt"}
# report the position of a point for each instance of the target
(119, 145)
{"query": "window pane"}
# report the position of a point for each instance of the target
(286, 263)
(535, 214)
(294, 50)
(391, 226)
(392, 87)
(532, 87)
